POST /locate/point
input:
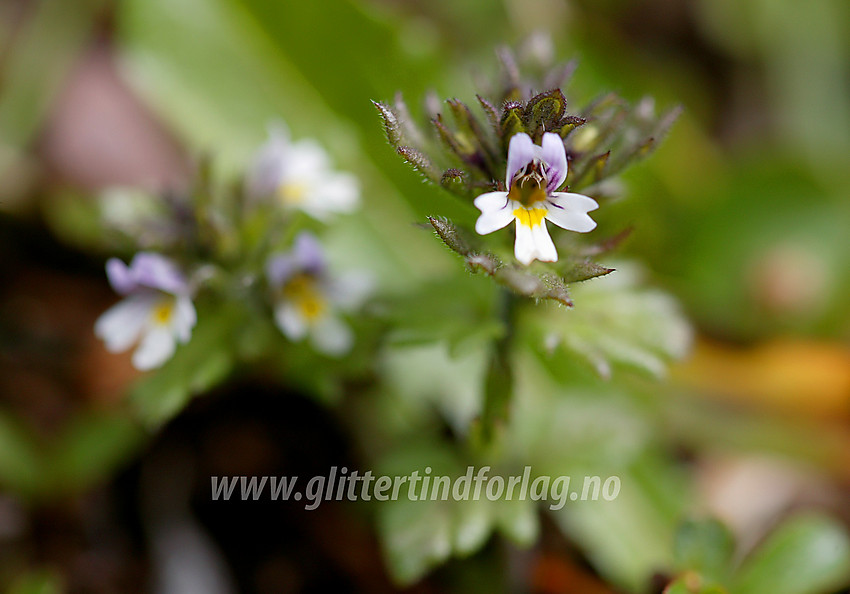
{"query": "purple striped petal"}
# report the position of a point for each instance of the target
(147, 270)
(119, 276)
(309, 253)
(155, 271)
(520, 153)
(306, 255)
(554, 155)
(280, 268)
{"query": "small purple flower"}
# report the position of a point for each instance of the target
(157, 310)
(299, 176)
(534, 173)
(307, 298)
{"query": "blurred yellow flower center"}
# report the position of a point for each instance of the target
(163, 311)
(529, 217)
(291, 193)
(307, 297)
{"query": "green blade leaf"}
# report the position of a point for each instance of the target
(808, 554)
(704, 546)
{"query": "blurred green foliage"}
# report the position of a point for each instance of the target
(743, 215)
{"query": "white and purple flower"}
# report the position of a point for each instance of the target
(533, 174)
(157, 310)
(307, 298)
(298, 176)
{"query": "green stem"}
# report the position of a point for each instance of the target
(498, 386)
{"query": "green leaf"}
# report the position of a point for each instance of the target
(42, 581)
(568, 124)
(616, 322)
(704, 546)
(680, 586)
(693, 584)
(91, 447)
(544, 112)
(582, 271)
(627, 538)
(485, 155)
(454, 180)
(391, 125)
(528, 284)
(419, 162)
(510, 69)
(491, 111)
(87, 449)
(196, 366)
(455, 142)
(519, 521)
(568, 422)
(511, 122)
(808, 554)
(451, 236)
(21, 463)
(76, 219)
(416, 536)
(433, 313)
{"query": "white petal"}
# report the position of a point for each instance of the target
(184, 319)
(524, 248)
(340, 192)
(554, 155)
(575, 202)
(267, 170)
(491, 201)
(335, 193)
(120, 326)
(569, 211)
(269, 163)
(497, 219)
(492, 221)
(305, 159)
(496, 212)
(350, 290)
(521, 151)
(534, 243)
(331, 336)
(155, 349)
(290, 321)
(546, 251)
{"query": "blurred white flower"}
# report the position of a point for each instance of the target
(307, 298)
(533, 174)
(157, 311)
(298, 175)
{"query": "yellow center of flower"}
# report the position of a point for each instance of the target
(292, 193)
(530, 217)
(528, 189)
(162, 311)
(303, 292)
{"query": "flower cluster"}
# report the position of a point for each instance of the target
(522, 162)
(158, 309)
